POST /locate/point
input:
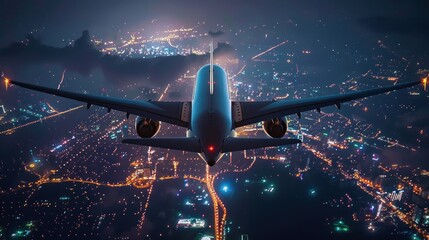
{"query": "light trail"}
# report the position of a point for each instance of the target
(382, 45)
(239, 72)
(189, 76)
(219, 222)
(11, 130)
(268, 50)
(130, 181)
(59, 180)
(169, 42)
(213, 195)
(62, 79)
(163, 94)
(52, 108)
(146, 206)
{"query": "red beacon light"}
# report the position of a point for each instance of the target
(211, 148)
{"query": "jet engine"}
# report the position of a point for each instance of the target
(276, 127)
(146, 128)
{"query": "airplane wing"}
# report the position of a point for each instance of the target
(177, 113)
(233, 144)
(245, 113)
(189, 144)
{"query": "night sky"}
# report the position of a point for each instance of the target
(57, 20)
(41, 39)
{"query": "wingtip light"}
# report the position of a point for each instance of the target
(6, 82)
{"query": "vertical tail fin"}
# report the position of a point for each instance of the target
(211, 68)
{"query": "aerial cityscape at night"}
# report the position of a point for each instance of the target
(359, 172)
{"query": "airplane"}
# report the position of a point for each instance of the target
(211, 117)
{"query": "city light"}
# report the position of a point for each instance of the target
(191, 223)
(340, 226)
(415, 237)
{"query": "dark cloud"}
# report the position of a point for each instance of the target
(400, 156)
(150, 70)
(83, 58)
(414, 26)
(155, 70)
(223, 49)
(215, 34)
(418, 120)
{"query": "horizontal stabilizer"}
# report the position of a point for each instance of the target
(238, 144)
(183, 144)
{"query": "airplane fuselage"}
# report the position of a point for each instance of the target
(211, 120)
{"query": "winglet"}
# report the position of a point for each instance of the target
(211, 68)
(232, 144)
(425, 80)
(6, 80)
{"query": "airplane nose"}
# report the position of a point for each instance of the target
(211, 157)
(211, 162)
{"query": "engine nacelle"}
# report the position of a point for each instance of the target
(146, 128)
(275, 128)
